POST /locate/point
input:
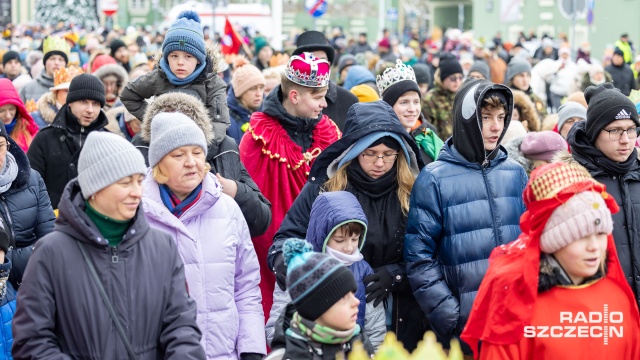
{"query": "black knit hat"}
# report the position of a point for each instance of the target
(86, 86)
(393, 92)
(606, 105)
(115, 45)
(449, 65)
(10, 55)
(423, 74)
(315, 281)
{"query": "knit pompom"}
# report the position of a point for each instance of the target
(294, 247)
(190, 14)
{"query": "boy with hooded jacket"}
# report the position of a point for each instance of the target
(462, 206)
(335, 218)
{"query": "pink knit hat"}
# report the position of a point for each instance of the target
(542, 145)
(246, 77)
(584, 214)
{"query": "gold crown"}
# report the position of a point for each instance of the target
(394, 75)
(54, 43)
(65, 75)
(31, 106)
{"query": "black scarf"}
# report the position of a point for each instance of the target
(379, 200)
(593, 159)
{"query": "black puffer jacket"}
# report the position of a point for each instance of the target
(224, 158)
(55, 149)
(623, 78)
(60, 313)
(385, 238)
(27, 209)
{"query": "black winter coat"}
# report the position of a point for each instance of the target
(385, 240)
(339, 100)
(27, 209)
(225, 159)
(623, 78)
(60, 313)
(55, 150)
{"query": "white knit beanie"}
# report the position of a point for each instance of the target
(106, 158)
(246, 77)
(172, 130)
(584, 214)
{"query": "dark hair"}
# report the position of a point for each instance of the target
(351, 228)
(493, 103)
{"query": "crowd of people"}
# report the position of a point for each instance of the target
(160, 199)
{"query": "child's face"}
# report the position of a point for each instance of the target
(492, 126)
(581, 259)
(309, 105)
(182, 63)
(345, 243)
(342, 315)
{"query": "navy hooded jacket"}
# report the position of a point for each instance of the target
(460, 210)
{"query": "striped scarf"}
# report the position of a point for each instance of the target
(174, 204)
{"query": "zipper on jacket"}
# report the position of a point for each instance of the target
(217, 109)
(8, 218)
(81, 133)
(114, 255)
(493, 217)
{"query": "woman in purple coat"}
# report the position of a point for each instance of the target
(183, 199)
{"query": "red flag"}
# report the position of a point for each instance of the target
(231, 42)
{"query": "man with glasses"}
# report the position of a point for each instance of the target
(604, 144)
(437, 105)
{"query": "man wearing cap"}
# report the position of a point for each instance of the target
(604, 144)
(621, 73)
(13, 70)
(626, 47)
(55, 149)
(263, 53)
(339, 100)
(56, 56)
(437, 105)
(345, 62)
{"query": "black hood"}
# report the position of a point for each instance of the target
(364, 119)
(467, 118)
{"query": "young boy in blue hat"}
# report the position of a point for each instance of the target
(321, 320)
(186, 66)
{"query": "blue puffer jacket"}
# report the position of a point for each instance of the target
(7, 310)
(329, 211)
(460, 210)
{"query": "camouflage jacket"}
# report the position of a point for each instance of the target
(437, 107)
(541, 107)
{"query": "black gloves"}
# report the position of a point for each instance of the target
(251, 356)
(384, 280)
(280, 271)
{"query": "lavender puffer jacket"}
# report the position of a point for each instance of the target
(221, 268)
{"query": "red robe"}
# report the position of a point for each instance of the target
(280, 169)
(558, 344)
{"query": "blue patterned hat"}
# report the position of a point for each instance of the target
(185, 34)
(315, 281)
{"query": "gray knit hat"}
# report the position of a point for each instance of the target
(570, 110)
(106, 158)
(171, 130)
(517, 66)
(482, 67)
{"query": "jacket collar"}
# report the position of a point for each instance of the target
(295, 124)
(67, 121)
(451, 155)
(24, 168)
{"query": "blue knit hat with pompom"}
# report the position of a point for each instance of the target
(185, 34)
(315, 281)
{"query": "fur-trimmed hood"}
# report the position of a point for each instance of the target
(528, 113)
(46, 105)
(180, 102)
(115, 70)
(514, 152)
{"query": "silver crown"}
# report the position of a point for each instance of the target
(394, 75)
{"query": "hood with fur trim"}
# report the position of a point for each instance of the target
(178, 102)
(528, 112)
(116, 70)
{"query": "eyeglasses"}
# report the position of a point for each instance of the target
(455, 78)
(387, 159)
(616, 134)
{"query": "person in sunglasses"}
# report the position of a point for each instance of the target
(604, 144)
(462, 206)
(437, 105)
